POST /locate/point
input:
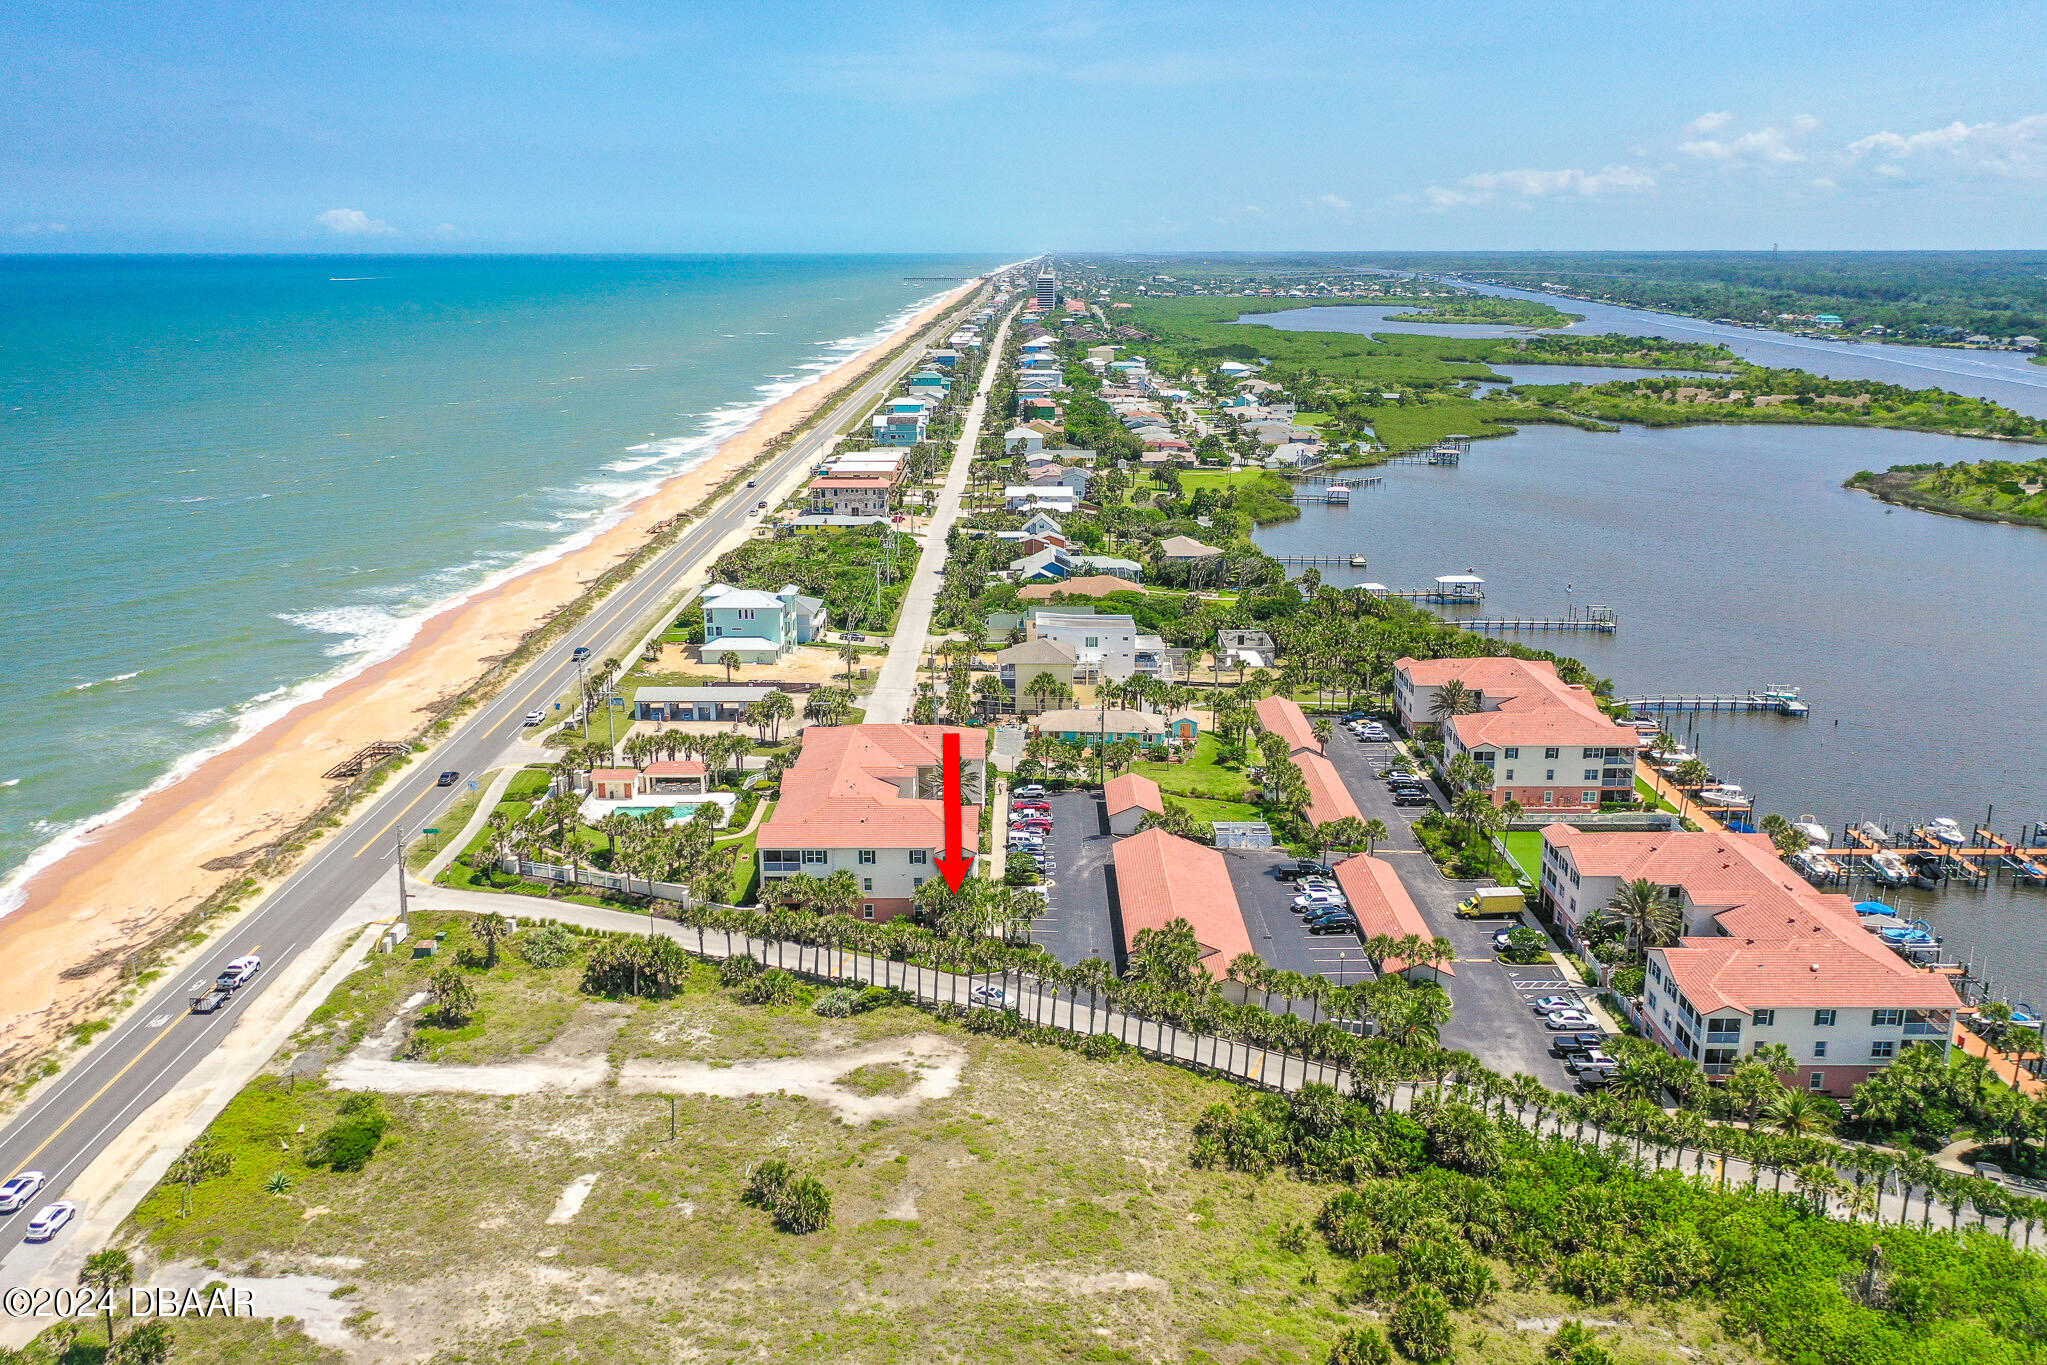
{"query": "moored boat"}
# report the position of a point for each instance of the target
(1925, 869)
(1889, 869)
(1946, 830)
(1815, 833)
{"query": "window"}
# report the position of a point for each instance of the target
(1588, 798)
(1510, 774)
(746, 613)
(916, 882)
(920, 855)
(1765, 1018)
(1513, 751)
(1549, 774)
(867, 912)
(1482, 755)
(1819, 1049)
(867, 885)
(1723, 1030)
(1594, 753)
(816, 857)
(867, 857)
(1886, 1018)
(1551, 752)
(1883, 1049)
(1816, 1081)
(1822, 1018)
(1092, 642)
(1549, 798)
(1591, 774)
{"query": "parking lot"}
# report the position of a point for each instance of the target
(1277, 933)
(1494, 1017)
(1076, 923)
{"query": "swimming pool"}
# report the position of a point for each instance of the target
(681, 810)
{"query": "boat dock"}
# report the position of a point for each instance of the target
(1782, 700)
(1454, 589)
(2028, 865)
(1595, 621)
(1322, 561)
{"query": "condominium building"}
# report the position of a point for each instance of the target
(1764, 957)
(1546, 742)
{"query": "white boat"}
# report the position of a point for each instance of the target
(1815, 833)
(1872, 831)
(1889, 868)
(1947, 831)
(1816, 865)
(1724, 794)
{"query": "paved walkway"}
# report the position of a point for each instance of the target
(492, 794)
(895, 691)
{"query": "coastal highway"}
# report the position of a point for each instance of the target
(154, 1047)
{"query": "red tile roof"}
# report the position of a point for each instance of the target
(1131, 790)
(1722, 973)
(1382, 905)
(844, 790)
(1328, 798)
(1282, 717)
(614, 774)
(1524, 701)
(1161, 877)
(675, 767)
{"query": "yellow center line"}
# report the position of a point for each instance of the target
(372, 840)
(168, 1031)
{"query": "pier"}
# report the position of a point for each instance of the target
(1784, 701)
(363, 759)
(1454, 589)
(1322, 561)
(1596, 621)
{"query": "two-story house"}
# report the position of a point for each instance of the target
(902, 421)
(867, 799)
(760, 627)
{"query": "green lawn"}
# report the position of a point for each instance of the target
(1526, 846)
(1203, 777)
(1213, 811)
(1651, 799)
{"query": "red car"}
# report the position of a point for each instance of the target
(1030, 805)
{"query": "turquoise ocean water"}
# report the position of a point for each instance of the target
(230, 480)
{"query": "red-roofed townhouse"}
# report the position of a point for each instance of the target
(1384, 909)
(1161, 877)
(1282, 716)
(856, 799)
(1127, 798)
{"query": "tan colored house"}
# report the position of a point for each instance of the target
(1018, 665)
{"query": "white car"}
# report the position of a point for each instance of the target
(993, 996)
(1030, 789)
(17, 1192)
(1561, 1020)
(237, 973)
(1556, 1002)
(50, 1221)
(534, 717)
(1319, 901)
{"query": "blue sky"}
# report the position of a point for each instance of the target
(561, 126)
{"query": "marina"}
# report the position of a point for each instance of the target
(1782, 700)
(1595, 620)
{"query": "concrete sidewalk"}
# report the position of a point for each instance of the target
(895, 691)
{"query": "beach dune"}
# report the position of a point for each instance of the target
(89, 912)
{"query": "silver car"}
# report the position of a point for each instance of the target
(16, 1193)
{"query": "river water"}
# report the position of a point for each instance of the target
(1734, 559)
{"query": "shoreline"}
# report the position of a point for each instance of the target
(82, 915)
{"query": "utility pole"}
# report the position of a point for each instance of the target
(402, 912)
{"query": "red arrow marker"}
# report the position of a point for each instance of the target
(954, 861)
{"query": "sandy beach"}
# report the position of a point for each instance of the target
(136, 874)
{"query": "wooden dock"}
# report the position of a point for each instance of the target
(1782, 701)
(1321, 561)
(2027, 863)
(363, 759)
(1600, 621)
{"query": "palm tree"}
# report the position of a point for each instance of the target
(849, 655)
(1795, 1113)
(493, 929)
(1044, 690)
(1452, 698)
(107, 1273)
(1693, 772)
(728, 661)
(1375, 830)
(1649, 917)
(777, 707)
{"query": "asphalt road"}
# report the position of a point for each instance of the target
(156, 1046)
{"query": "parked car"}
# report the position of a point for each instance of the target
(1571, 1020)
(1391, 773)
(1595, 1077)
(240, 970)
(993, 996)
(18, 1191)
(1336, 924)
(1304, 867)
(534, 717)
(853, 636)
(1027, 791)
(1319, 900)
(1590, 1060)
(1556, 1002)
(1575, 1044)
(50, 1221)
(1414, 798)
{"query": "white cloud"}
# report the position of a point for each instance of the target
(1706, 123)
(1764, 145)
(2015, 150)
(37, 229)
(354, 223)
(1529, 183)
(1330, 201)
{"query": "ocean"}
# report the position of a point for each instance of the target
(231, 481)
